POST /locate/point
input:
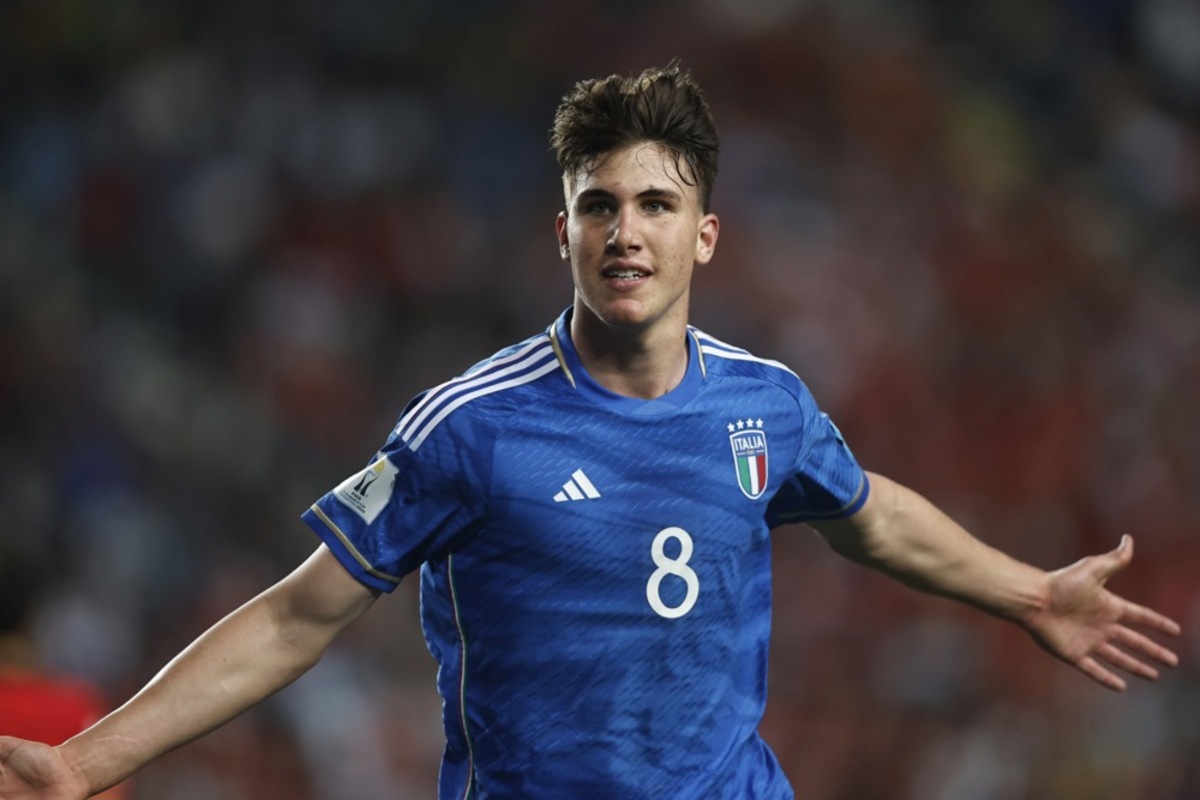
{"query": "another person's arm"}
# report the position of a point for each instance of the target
(255, 651)
(1069, 611)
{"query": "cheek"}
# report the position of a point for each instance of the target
(583, 243)
(684, 251)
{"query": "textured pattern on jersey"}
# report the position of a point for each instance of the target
(595, 569)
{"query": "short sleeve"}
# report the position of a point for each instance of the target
(826, 481)
(408, 505)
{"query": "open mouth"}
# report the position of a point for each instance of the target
(624, 274)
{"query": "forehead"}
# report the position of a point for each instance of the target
(633, 169)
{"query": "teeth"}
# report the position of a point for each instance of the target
(625, 274)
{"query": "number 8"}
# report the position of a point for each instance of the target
(672, 566)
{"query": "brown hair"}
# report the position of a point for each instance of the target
(662, 105)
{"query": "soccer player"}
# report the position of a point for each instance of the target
(590, 511)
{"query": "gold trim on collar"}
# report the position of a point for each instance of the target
(562, 361)
(699, 353)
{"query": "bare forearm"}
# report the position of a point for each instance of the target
(905, 536)
(235, 664)
(1069, 612)
(252, 653)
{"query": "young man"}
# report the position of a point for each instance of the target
(590, 514)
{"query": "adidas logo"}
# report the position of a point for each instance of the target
(578, 488)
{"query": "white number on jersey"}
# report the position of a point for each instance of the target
(677, 567)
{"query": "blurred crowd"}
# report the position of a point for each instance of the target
(236, 237)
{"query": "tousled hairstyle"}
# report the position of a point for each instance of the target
(662, 105)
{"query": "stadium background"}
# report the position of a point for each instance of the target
(236, 237)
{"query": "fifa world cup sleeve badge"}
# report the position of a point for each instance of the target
(366, 493)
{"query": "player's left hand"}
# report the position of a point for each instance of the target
(1097, 631)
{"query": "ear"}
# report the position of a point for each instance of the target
(560, 230)
(706, 238)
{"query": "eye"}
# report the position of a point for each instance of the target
(598, 207)
(656, 206)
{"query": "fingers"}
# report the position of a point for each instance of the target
(1093, 667)
(1106, 678)
(1151, 620)
(1096, 664)
(1139, 643)
(1122, 660)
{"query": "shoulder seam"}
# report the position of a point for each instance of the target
(718, 349)
(515, 369)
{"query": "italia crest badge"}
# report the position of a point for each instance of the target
(749, 443)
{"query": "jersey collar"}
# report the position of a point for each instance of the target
(568, 356)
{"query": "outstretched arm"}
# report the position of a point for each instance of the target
(255, 651)
(1069, 612)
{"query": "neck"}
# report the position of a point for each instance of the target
(644, 363)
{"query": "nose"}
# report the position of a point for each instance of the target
(623, 235)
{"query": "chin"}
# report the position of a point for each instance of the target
(609, 310)
(621, 315)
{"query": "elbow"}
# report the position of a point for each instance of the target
(865, 536)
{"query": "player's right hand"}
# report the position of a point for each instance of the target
(34, 771)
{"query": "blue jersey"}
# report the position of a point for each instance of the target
(595, 569)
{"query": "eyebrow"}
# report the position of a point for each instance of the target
(652, 192)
